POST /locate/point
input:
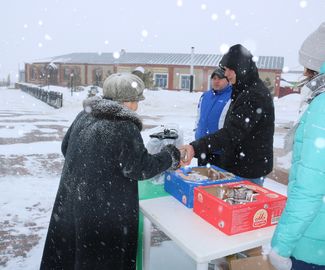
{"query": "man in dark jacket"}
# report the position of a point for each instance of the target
(246, 139)
(94, 223)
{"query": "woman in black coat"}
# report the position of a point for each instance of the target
(246, 139)
(94, 223)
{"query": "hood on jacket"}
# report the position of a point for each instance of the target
(239, 59)
(110, 110)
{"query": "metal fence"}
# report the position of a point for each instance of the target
(52, 98)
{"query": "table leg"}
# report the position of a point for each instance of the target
(146, 242)
(202, 266)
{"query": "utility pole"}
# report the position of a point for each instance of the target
(71, 83)
(192, 68)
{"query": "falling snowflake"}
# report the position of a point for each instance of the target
(116, 55)
(224, 48)
(303, 4)
(88, 109)
(203, 156)
(227, 12)
(179, 3)
(285, 69)
(242, 154)
(208, 165)
(106, 42)
(320, 143)
(40, 45)
(214, 16)
(25, 25)
(233, 17)
(203, 6)
(40, 23)
(47, 37)
(255, 59)
(144, 33)
(134, 84)
(247, 120)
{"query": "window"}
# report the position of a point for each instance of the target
(161, 80)
(185, 82)
(33, 73)
(67, 71)
(66, 75)
(97, 76)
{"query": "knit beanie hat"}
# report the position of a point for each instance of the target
(123, 87)
(312, 51)
(219, 72)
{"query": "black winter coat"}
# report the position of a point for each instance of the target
(246, 140)
(94, 223)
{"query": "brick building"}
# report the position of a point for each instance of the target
(168, 70)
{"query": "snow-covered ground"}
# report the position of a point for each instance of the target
(31, 162)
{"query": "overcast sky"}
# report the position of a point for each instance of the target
(36, 29)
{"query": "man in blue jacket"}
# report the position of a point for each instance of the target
(212, 110)
(246, 138)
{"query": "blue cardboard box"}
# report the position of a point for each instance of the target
(181, 183)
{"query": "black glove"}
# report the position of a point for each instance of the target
(175, 155)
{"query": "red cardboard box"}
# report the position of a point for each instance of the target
(231, 213)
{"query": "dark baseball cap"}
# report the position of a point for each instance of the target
(219, 72)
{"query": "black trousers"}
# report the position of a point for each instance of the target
(301, 265)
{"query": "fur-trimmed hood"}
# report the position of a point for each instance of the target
(111, 110)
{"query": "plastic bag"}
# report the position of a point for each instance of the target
(161, 136)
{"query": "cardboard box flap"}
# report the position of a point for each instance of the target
(251, 263)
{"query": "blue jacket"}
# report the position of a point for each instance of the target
(212, 110)
(301, 229)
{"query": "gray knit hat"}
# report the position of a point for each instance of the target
(123, 87)
(312, 51)
(219, 72)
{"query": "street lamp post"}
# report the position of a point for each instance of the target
(71, 83)
(48, 81)
(191, 70)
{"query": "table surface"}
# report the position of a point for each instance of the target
(195, 236)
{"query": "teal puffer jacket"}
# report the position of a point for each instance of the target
(301, 229)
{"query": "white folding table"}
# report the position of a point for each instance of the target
(200, 240)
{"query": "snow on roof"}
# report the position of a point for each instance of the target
(207, 60)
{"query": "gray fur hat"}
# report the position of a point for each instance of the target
(312, 51)
(123, 87)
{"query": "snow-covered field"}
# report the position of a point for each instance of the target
(31, 162)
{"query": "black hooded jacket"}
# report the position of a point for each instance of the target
(246, 139)
(94, 223)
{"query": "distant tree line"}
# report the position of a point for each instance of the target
(5, 82)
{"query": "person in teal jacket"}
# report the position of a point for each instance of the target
(299, 239)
